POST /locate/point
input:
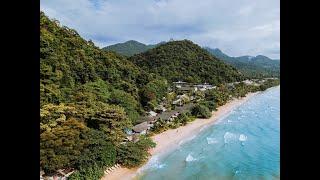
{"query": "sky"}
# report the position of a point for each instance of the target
(237, 27)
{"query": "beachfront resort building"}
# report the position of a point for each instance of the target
(152, 113)
(188, 87)
(142, 128)
(203, 87)
(179, 84)
(250, 82)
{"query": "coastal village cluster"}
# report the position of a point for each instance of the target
(182, 103)
(185, 98)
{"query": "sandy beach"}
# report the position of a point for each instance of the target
(172, 138)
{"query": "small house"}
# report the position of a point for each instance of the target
(179, 83)
(247, 82)
(152, 113)
(141, 128)
(250, 82)
(203, 87)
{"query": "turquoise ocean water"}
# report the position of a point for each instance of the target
(245, 144)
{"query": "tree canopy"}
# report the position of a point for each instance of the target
(186, 61)
(88, 97)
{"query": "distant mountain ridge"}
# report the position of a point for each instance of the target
(254, 66)
(130, 48)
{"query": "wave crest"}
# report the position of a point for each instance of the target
(212, 140)
(189, 158)
(243, 137)
(228, 137)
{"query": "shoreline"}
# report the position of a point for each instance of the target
(172, 138)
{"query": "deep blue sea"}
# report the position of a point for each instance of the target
(245, 144)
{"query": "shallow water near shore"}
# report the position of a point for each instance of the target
(245, 144)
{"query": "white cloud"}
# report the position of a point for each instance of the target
(237, 27)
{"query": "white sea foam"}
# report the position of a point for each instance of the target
(180, 142)
(189, 158)
(202, 128)
(190, 138)
(228, 137)
(229, 121)
(153, 163)
(187, 139)
(150, 164)
(212, 140)
(242, 137)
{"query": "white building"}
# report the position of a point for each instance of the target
(152, 113)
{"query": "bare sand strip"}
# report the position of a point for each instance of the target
(172, 138)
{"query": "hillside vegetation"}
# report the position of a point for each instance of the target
(130, 48)
(88, 97)
(252, 67)
(186, 61)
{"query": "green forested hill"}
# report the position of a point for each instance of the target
(129, 48)
(88, 97)
(184, 60)
(258, 66)
(73, 69)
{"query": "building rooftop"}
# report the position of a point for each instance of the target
(179, 82)
(186, 88)
(141, 127)
(166, 115)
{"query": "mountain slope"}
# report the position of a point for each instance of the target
(67, 60)
(88, 98)
(130, 48)
(184, 60)
(258, 66)
(75, 70)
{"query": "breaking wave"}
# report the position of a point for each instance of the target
(202, 128)
(228, 137)
(243, 137)
(189, 158)
(186, 140)
(212, 140)
(153, 163)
